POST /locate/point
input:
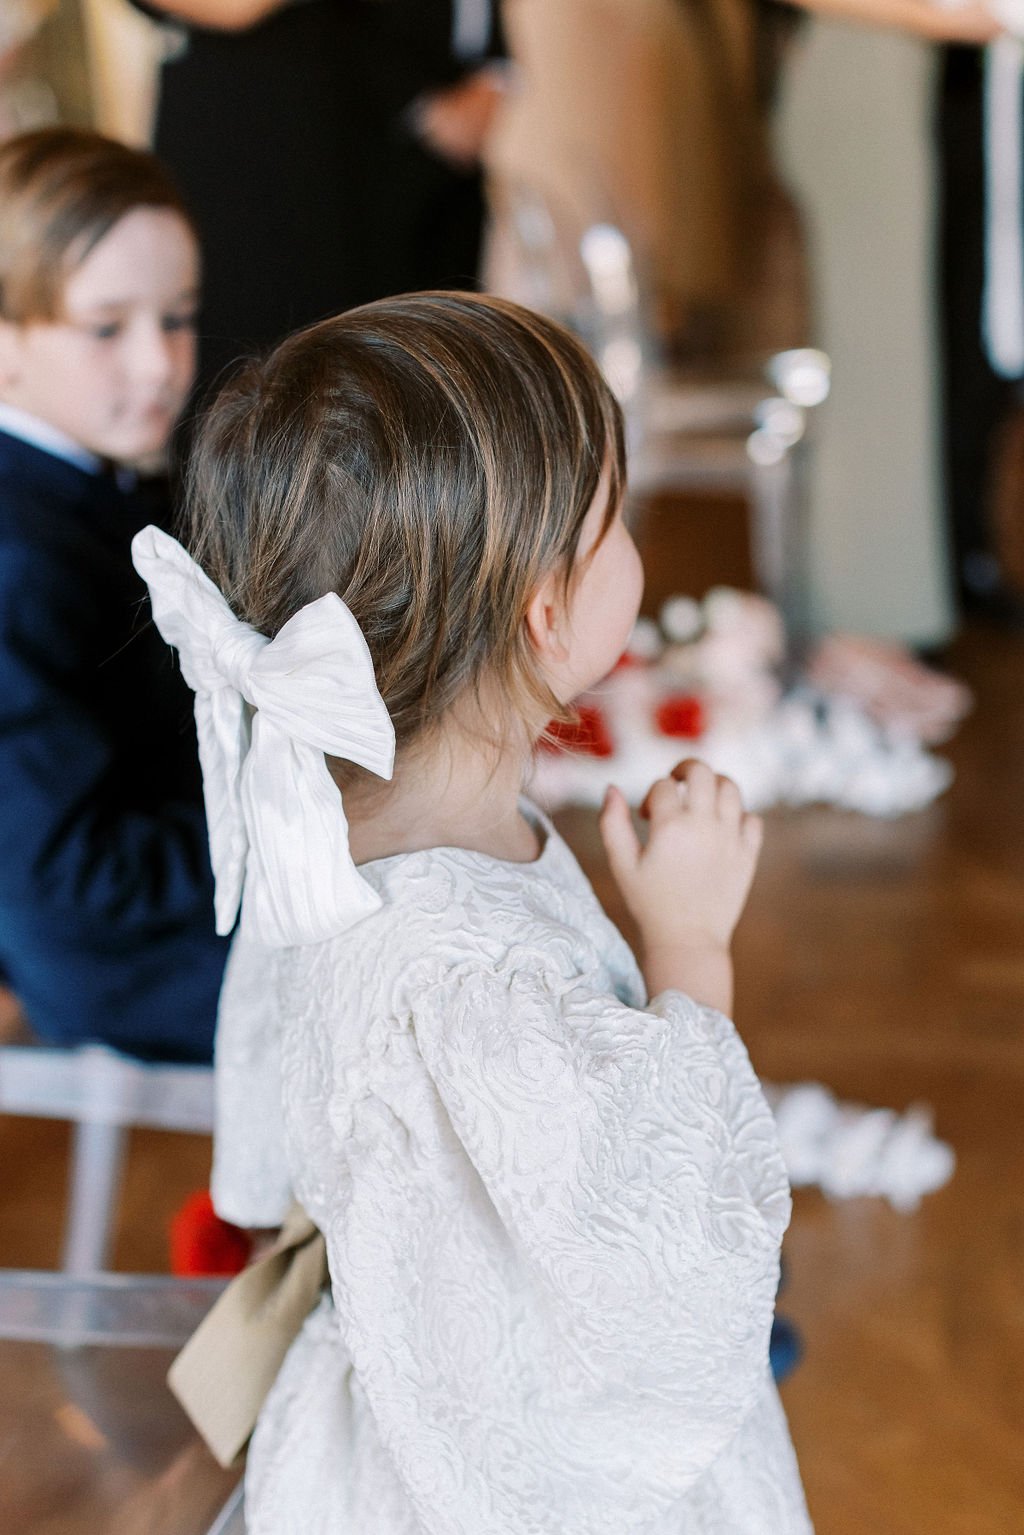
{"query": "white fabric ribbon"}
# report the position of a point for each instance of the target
(278, 833)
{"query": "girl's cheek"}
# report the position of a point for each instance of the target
(633, 580)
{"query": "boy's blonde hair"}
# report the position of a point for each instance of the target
(430, 458)
(61, 190)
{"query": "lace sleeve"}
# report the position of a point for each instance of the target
(594, 1331)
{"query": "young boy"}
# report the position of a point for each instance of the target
(106, 918)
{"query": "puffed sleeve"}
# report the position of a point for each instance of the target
(591, 1329)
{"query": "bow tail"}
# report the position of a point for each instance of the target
(222, 726)
(301, 885)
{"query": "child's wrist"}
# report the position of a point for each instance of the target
(685, 939)
(700, 967)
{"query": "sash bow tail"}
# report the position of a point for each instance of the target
(223, 1374)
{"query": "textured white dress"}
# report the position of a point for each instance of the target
(553, 1214)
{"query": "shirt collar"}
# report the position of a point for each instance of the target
(40, 434)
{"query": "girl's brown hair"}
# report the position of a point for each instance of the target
(61, 190)
(430, 458)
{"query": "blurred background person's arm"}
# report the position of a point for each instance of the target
(948, 23)
(219, 15)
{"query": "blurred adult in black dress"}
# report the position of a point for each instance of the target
(329, 150)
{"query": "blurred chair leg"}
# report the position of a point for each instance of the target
(771, 527)
(96, 1165)
(780, 533)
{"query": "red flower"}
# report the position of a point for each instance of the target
(588, 733)
(681, 714)
(201, 1243)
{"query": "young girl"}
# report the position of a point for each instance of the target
(105, 883)
(549, 1184)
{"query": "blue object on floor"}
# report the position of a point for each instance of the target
(785, 1350)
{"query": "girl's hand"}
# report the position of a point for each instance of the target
(687, 887)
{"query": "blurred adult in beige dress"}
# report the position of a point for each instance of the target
(648, 113)
(644, 113)
(25, 100)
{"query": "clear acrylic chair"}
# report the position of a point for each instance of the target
(87, 1421)
(103, 1093)
(88, 1350)
(742, 431)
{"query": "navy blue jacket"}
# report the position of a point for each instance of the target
(106, 895)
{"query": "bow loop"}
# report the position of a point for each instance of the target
(278, 833)
(315, 681)
(189, 611)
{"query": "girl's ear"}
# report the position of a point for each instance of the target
(547, 622)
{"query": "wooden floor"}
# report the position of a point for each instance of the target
(886, 960)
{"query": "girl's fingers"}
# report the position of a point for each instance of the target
(662, 800)
(621, 843)
(701, 785)
(707, 792)
(730, 802)
(752, 832)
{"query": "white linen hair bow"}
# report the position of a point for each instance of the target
(278, 833)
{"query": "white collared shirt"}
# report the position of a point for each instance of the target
(40, 434)
(471, 28)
